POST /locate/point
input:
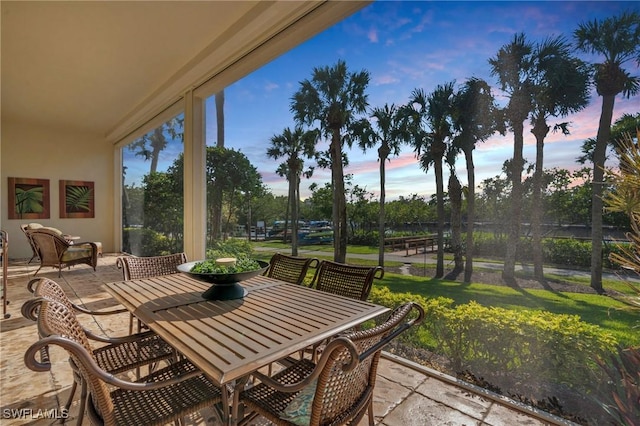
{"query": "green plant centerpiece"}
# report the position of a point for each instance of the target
(224, 274)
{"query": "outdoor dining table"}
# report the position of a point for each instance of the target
(230, 339)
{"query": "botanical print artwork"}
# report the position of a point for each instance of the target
(28, 198)
(76, 199)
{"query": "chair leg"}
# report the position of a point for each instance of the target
(67, 405)
(370, 413)
(83, 403)
(130, 323)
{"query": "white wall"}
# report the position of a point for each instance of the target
(28, 151)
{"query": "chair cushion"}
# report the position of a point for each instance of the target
(298, 411)
(75, 253)
(34, 225)
(56, 230)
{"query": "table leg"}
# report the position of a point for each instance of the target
(237, 412)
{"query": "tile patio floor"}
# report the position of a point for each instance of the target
(406, 394)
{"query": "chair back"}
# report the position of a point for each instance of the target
(34, 251)
(47, 288)
(349, 366)
(134, 267)
(54, 319)
(49, 245)
(346, 280)
(291, 269)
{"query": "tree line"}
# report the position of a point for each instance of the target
(543, 81)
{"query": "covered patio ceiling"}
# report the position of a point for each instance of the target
(106, 67)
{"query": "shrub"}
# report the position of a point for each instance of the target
(364, 238)
(567, 251)
(489, 245)
(147, 242)
(233, 247)
(525, 346)
(558, 251)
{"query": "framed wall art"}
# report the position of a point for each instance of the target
(77, 199)
(28, 198)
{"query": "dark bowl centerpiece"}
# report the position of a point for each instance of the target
(224, 275)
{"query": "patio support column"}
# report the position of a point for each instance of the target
(195, 225)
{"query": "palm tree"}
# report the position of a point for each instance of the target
(430, 144)
(627, 125)
(617, 39)
(513, 66)
(294, 146)
(477, 118)
(560, 88)
(153, 143)
(390, 135)
(333, 98)
(455, 199)
(220, 117)
(216, 192)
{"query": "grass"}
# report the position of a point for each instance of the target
(603, 311)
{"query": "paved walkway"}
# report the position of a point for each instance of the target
(406, 394)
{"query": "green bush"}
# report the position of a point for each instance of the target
(488, 245)
(232, 247)
(557, 251)
(146, 242)
(525, 346)
(364, 238)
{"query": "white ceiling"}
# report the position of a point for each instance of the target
(103, 66)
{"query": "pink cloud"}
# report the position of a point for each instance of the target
(372, 35)
(385, 79)
(271, 86)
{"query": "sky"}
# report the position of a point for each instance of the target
(404, 46)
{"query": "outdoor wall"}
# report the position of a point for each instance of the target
(28, 151)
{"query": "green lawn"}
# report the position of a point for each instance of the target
(603, 311)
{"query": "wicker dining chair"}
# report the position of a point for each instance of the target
(164, 396)
(291, 269)
(352, 281)
(119, 355)
(134, 268)
(53, 250)
(338, 389)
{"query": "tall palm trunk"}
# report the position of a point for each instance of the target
(509, 269)
(339, 198)
(599, 157)
(383, 153)
(455, 195)
(540, 131)
(471, 212)
(293, 199)
(220, 117)
(158, 142)
(440, 212)
(217, 189)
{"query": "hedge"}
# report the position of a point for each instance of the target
(534, 346)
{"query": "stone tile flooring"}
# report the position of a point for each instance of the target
(406, 394)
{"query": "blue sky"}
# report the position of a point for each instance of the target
(408, 45)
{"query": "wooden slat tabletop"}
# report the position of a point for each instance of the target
(230, 339)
